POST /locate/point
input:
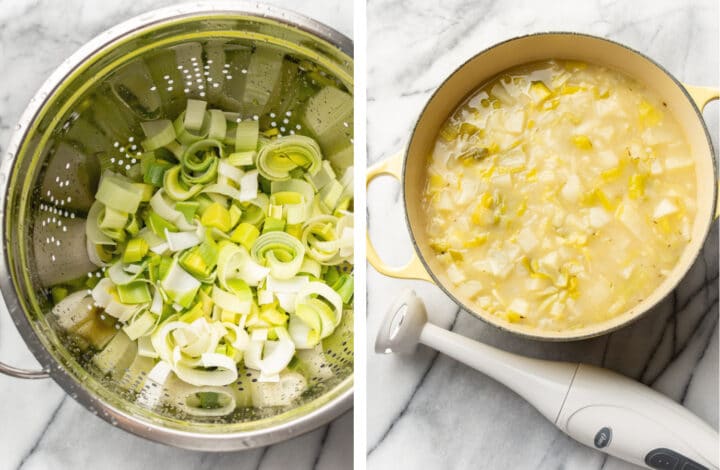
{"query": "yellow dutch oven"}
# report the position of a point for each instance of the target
(684, 101)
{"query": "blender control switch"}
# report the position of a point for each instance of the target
(666, 459)
(690, 465)
(663, 459)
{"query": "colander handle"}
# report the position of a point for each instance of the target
(22, 373)
(414, 269)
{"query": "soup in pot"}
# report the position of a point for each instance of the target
(559, 195)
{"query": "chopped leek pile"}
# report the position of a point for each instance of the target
(559, 195)
(223, 248)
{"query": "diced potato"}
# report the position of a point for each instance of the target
(598, 217)
(470, 289)
(664, 208)
(502, 181)
(527, 240)
(515, 122)
(677, 163)
(572, 189)
(455, 274)
(607, 159)
(519, 306)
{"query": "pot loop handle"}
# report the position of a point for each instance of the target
(414, 269)
(702, 95)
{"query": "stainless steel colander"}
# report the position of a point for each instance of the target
(90, 109)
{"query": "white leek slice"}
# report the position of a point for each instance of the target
(178, 241)
(194, 114)
(286, 301)
(234, 261)
(105, 295)
(120, 274)
(271, 357)
(118, 192)
(223, 372)
(145, 347)
(293, 285)
(259, 334)
(319, 289)
(302, 334)
(93, 254)
(240, 339)
(179, 285)
(222, 188)
(232, 301)
(157, 303)
(314, 238)
(165, 209)
(230, 172)
(92, 227)
(142, 323)
(278, 157)
(249, 186)
(264, 252)
(153, 390)
(150, 237)
(218, 124)
(265, 297)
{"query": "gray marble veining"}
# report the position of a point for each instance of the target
(427, 411)
(42, 428)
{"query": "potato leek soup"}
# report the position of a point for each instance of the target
(559, 195)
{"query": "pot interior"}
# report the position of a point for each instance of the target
(89, 121)
(492, 62)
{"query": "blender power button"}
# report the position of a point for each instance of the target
(666, 459)
(603, 438)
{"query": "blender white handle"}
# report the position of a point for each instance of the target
(599, 408)
(624, 418)
(542, 383)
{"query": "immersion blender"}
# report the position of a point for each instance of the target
(597, 407)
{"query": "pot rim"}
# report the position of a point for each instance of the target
(340, 397)
(486, 318)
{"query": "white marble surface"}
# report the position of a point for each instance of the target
(429, 412)
(42, 428)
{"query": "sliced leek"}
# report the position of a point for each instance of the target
(216, 251)
(277, 158)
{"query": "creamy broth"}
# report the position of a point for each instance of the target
(559, 195)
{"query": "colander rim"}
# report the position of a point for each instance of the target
(342, 394)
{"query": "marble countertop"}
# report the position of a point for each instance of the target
(41, 427)
(428, 411)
